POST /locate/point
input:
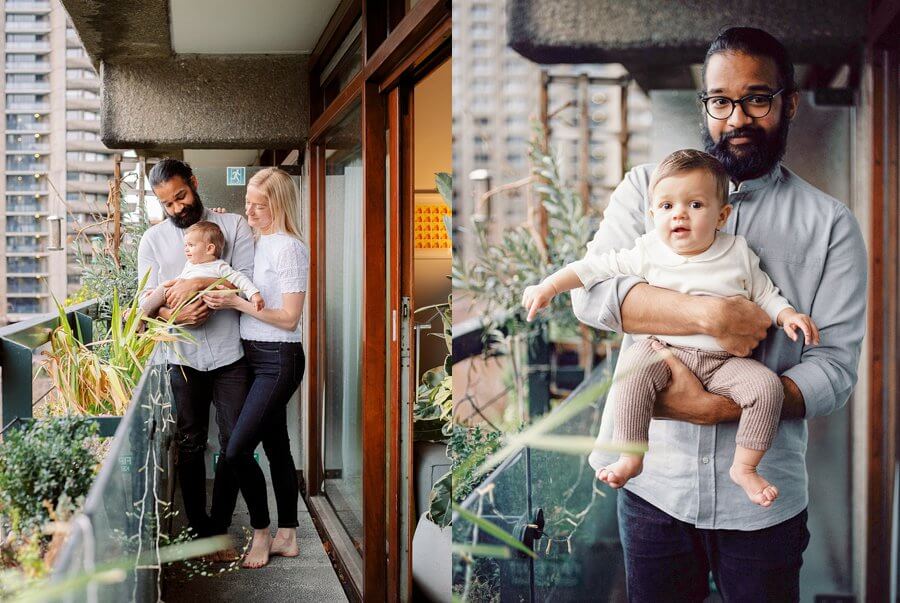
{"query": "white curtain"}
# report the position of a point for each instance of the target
(351, 432)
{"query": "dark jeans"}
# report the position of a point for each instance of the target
(670, 560)
(193, 391)
(277, 369)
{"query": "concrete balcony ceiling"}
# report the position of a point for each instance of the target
(202, 73)
(658, 41)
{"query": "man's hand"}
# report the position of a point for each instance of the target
(685, 399)
(191, 315)
(179, 291)
(737, 323)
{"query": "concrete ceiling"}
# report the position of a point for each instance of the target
(221, 26)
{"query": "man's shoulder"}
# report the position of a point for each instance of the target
(157, 231)
(226, 219)
(809, 193)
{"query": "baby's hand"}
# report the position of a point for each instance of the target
(791, 320)
(537, 297)
(218, 210)
(257, 299)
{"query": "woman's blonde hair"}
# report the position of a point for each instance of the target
(279, 188)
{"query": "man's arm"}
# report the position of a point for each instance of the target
(827, 372)
(623, 222)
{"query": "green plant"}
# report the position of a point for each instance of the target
(500, 271)
(98, 377)
(434, 397)
(42, 462)
(109, 265)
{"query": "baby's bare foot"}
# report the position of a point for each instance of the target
(258, 555)
(618, 473)
(757, 488)
(285, 543)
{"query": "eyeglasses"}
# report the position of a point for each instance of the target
(753, 105)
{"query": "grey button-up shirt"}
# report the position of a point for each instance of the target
(218, 340)
(810, 245)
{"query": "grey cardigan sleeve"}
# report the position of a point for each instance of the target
(623, 222)
(827, 372)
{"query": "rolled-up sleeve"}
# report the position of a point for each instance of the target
(623, 222)
(827, 373)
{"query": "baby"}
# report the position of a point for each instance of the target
(203, 245)
(686, 252)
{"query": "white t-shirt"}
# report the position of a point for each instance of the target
(729, 267)
(281, 265)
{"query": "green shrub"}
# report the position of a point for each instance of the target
(41, 462)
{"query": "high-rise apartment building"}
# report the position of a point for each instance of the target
(496, 97)
(55, 164)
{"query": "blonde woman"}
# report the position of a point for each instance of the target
(273, 348)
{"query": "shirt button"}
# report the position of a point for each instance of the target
(705, 460)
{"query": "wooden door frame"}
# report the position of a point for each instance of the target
(883, 55)
(388, 57)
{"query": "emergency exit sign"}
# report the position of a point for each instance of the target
(235, 176)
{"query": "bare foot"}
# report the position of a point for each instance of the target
(757, 488)
(225, 555)
(285, 543)
(258, 555)
(618, 474)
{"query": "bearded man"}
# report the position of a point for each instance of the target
(683, 517)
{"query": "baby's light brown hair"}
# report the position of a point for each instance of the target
(210, 233)
(687, 160)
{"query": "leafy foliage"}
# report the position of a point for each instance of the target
(100, 272)
(499, 272)
(434, 397)
(42, 462)
(98, 377)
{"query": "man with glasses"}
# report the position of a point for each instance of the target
(683, 518)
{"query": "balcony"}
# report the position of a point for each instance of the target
(83, 83)
(28, 26)
(28, 87)
(28, 67)
(128, 507)
(83, 104)
(106, 166)
(87, 186)
(18, 107)
(30, 47)
(85, 125)
(26, 167)
(26, 147)
(27, 7)
(94, 146)
(78, 63)
(26, 126)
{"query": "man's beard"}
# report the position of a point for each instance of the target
(190, 214)
(756, 158)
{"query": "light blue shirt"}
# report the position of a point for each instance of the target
(811, 246)
(161, 251)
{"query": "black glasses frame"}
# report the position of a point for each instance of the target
(705, 99)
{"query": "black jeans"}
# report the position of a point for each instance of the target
(277, 369)
(193, 391)
(670, 560)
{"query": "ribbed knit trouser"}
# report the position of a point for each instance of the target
(752, 386)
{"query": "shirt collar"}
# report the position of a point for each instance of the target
(757, 183)
(665, 256)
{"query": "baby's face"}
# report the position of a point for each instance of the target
(196, 250)
(686, 211)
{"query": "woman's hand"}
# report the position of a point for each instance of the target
(219, 301)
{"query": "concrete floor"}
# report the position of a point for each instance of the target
(308, 577)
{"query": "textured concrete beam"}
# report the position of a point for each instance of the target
(113, 29)
(205, 101)
(650, 32)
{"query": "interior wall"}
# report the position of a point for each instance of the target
(433, 149)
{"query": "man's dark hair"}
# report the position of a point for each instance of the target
(167, 169)
(757, 43)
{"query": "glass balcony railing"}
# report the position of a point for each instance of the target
(23, 306)
(27, 166)
(126, 506)
(24, 266)
(125, 503)
(30, 146)
(548, 500)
